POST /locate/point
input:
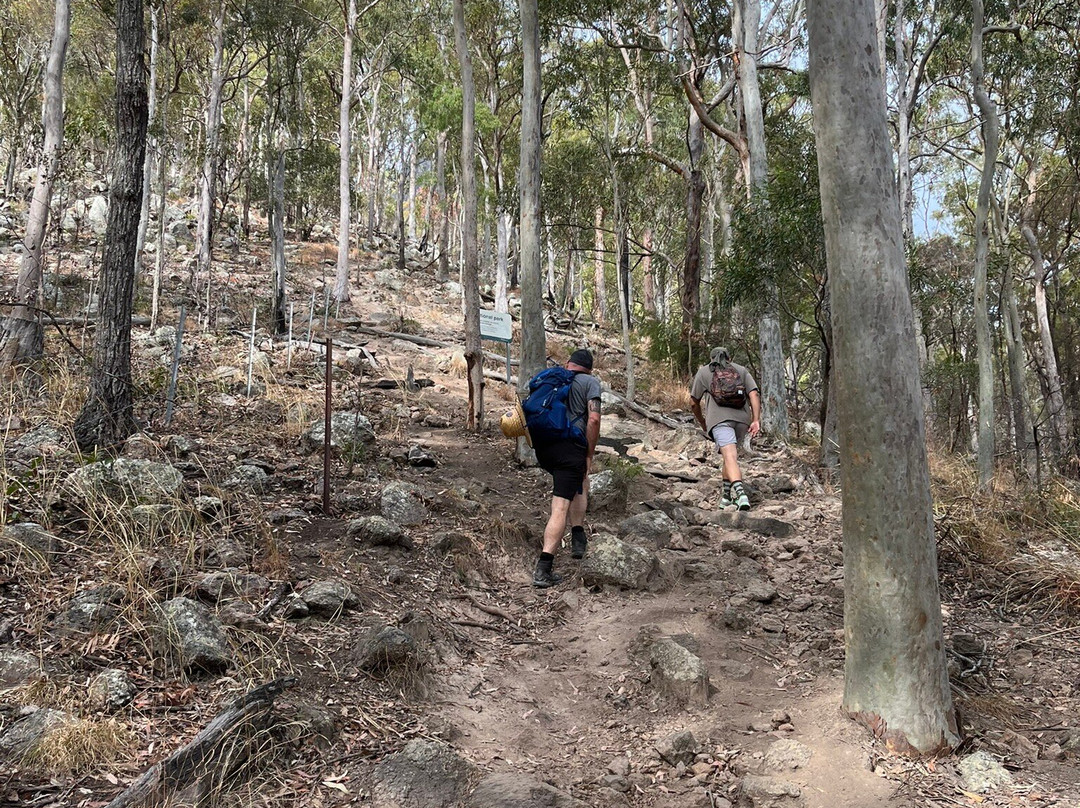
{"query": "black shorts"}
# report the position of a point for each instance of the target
(566, 461)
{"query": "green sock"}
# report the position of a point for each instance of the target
(737, 489)
(727, 489)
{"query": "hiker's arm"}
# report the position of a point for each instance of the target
(699, 416)
(592, 428)
(755, 409)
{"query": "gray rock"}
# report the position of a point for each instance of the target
(761, 591)
(24, 736)
(348, 431)
(180, 230)
(606, 492)
(786, 754)
(97, 215)
(178, 445)
(196, 635)
(91, 610)
(617, 563)
(28, 541)
(679, 747)
(378, 531)
(770, 792)
(735, 670)
(402, 504)
(247, 478)
(744, 520)
(295, 608)
(329, 597)
(424, 774)
(740, 546)
(209, 507)
(36, 440)
(387, 648)
(124, 479)
(620, 766)
(512, 790)
(18, 667)
(653, 528)
(111, 690)
(678, 673)
(781, 484)
(215, 586)
(162, 516)
(165, 336)
(980, 773)
(420, 458)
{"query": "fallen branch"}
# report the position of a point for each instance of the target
(494, 611)
(425, 341)
(181, 768)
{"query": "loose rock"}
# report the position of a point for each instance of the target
(196, 635)
(519, 791)
(111, 690)
(679, 673)
(424, 774)
(402, 504)
(617, 563)
(330, 597)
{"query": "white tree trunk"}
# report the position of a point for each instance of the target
(341, 279)
(22, 338)
(470, 281)
(895, 675)
(600, 285)
(774, 418)
(983, 345)
(207, 180)
(151, 142)
(411, 229)
(444, 208)
(502, 251)
(1023, 434)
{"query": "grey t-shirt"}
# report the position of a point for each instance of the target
(585, 387)
(714, 413)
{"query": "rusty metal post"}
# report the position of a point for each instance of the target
(326, 427)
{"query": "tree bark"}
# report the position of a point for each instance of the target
(983, 345)
(896, 681)
(107, 418)
(599, 281)
(443, 271)
(341, 280)
(774, 418)
(276, 176)
(695, 192)
(502, 256)
(470, 280)
(151, 144)
(1023, 434)
(22, 337)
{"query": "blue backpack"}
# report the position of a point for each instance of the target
(547, 408)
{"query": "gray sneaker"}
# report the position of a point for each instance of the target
(743, 502)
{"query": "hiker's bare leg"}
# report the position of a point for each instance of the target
(730, 453)
(579, 506)
(556, 525)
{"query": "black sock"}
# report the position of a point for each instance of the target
(737, 489)
(578, 530)
(727, 489)
(545, 561)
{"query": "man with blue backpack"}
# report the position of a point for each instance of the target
(562, 413)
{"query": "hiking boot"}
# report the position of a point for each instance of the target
(578, 544)
(725, 503)
(743, 502)
(542, 579)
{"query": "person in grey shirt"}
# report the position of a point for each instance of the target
(569, 462)
(727, 425)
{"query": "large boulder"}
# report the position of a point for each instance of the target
(617, 563)
(197, 636)
(513, 790)
(678, 673)
(424, 774)
(386, 649)
(403, 504)
(650, 529)
(348, 432)
(125, 480)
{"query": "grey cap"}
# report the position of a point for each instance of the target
(719, 356)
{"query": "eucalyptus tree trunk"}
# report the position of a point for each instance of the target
(151, 144)
(402, 172)
(695, 192)
(622, 273)
(600, 284)
(162, 183)
(470, 281)
(549, 280)
(276, 190)
(1023, 434)
(774, 418)
(896, 681)
(502, 253)
(341, 279)
(1055, 399)
(107, 417)
(985, 357)
(208, 178)
(443, 271)
(411, 229)
(22, 338)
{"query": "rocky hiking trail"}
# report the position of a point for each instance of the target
(693, 659)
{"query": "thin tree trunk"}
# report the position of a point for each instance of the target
(982, 250)
(1023, 434)
(896, 680)
(341, 281)
(276, 174)
(402, 174)
(152, 143)
(162, 182)
(549, 280)
(22, 338)
(622, 274)
(695, 191)
(502, 250)
(600, 285)
(107, 418)
(204, 225)
(412, 194)
(774, 418)
(474, 357)
(444, 209)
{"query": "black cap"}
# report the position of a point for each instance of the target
(582, 357)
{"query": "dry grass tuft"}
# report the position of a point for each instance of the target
(458, 365)
(667, 393)
(79, 746)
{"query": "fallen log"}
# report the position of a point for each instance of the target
(183, 766)
(427, 342)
